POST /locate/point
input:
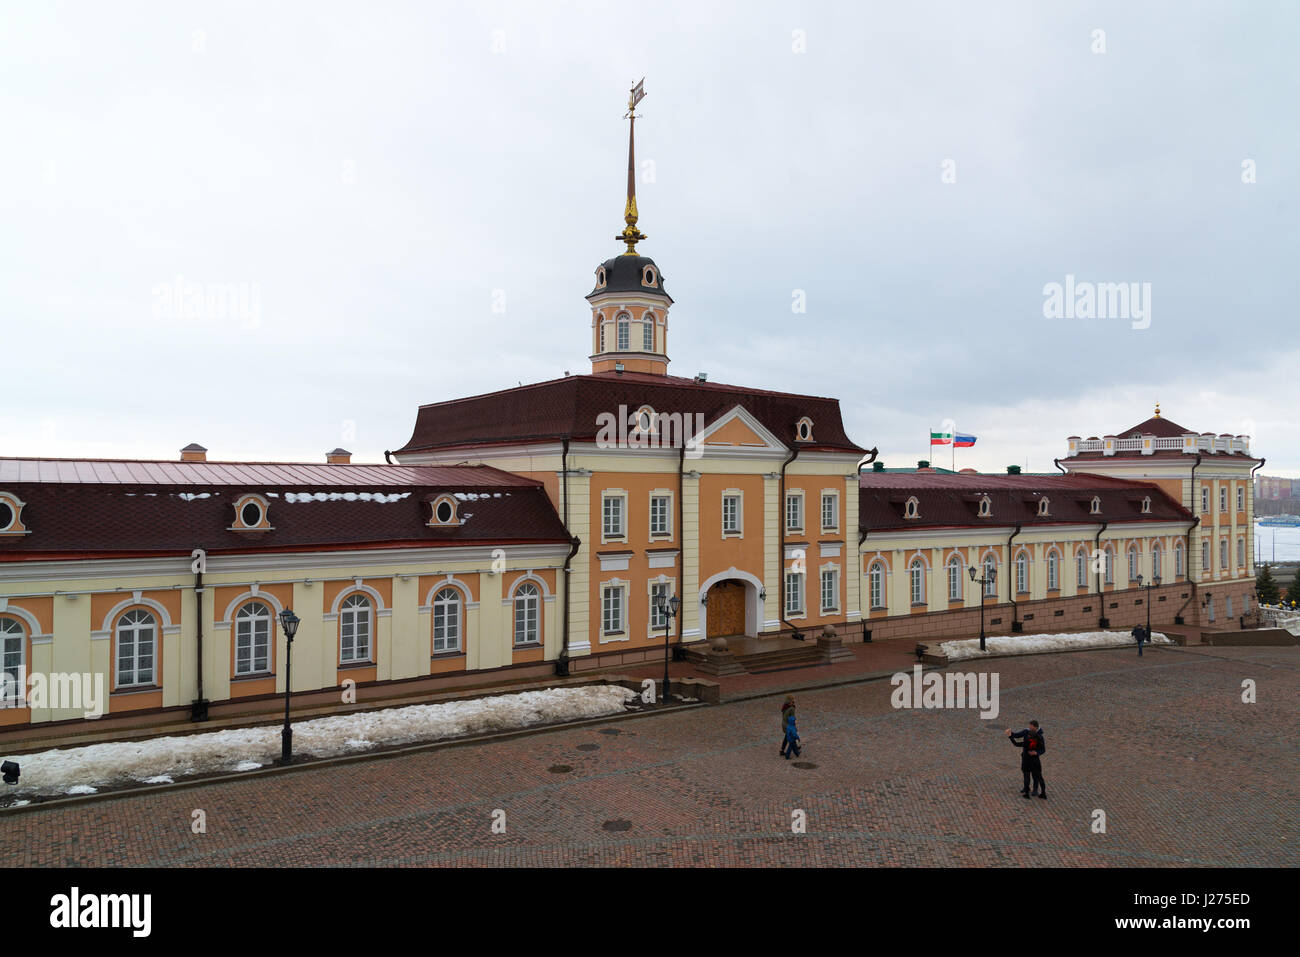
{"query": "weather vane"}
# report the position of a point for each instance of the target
(631, 235)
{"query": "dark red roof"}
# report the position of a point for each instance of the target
(163, 508)
(1161, 428)
(946, 500)
(570, 407)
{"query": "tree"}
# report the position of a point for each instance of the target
(1266, 587)
(1293, 593)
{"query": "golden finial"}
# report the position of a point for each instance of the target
(631, 235)
(1157, 408)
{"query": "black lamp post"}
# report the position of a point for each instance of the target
(668, 608)
(1153, 583)
(991, 577)
(289, 622)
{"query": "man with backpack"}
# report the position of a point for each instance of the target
(1141, 635)
(1032, 744)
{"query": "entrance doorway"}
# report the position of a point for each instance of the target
(726, 609)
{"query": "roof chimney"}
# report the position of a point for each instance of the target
(877, 466)
(338, 457)
(1013, 469)
(923, 464)
(194, 453)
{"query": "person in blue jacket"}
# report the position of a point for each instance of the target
(790, 747)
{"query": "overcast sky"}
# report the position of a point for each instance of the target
(411, 198)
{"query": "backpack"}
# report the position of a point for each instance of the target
(1037, 744)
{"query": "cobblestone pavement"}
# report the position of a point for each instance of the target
(1185, 772)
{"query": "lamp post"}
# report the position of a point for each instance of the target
(990, 578)
(668, 607)
(289, 622)
(1153, 583)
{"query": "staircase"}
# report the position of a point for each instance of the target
(760, 655)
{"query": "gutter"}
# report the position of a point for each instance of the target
(1057, 463)
(678, 654)
(1187, 571)
(199, 707)
(1096, 551)
(1016, 626)
(781, 519)
(562, 662)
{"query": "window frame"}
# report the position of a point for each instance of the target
(155, 629)
(877, 585)
(667, 497)
(458, 603)
(606, 497)
(348, 615)
(954, 568)
(618, 589)
(794, 496)
(833, 496)
(739, 530)
(242, 617)
(13, 631)
(530, 599)
(834, 572)
(794, 587)
(916, 581)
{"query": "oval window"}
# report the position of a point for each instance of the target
(444, 511)
(251, 514)
(6, 515)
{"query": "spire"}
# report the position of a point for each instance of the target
(1157, 408)
(631, 235)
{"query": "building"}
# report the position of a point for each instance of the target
(536, 530)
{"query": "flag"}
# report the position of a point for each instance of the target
(638, 92)
(963, 441)
(941, 438)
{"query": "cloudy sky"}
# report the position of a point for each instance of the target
(405, 202)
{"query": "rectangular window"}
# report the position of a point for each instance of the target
(659, 514)
(623, 334)
(1178, 561)
(611, 612)
(1223, 554)
(794, 512)
(252, 645)
(1205, 498)
(954, 581)
(830, 511)
(731, 515)
(1053, 573)
(613, 516)
(1241, 498)
(1205, 558)
(794, 593)
(830, 590)
(1227, 606)
(916, 575)
(12, 647)
(1223, 498)
(658, 619)
(1241, 553)
(1081, 570)
(876, 580)
(648, 337)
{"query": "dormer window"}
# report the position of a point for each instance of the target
(251, 514)
(600, 277)
(912, 509)
(11, 521)
(986, 507)
(803, 429)
(443, 511)
(1095, 509)
(1043, 507)
(1146, 505)
(645, 419)
(649, 277)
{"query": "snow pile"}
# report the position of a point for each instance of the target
(382, 497)
(1039, 644)
(78, 770)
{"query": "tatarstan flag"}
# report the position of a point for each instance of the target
(941, 438)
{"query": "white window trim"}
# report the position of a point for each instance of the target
(462, 599)
(954, 559)
(835, 495)
(371, 626)
(924, 581)
(878, 561)
(621, 634)
(650, 531)
(834, 569)
(785, 515)
(541, 606)
(1053, 568)
(117, 655)
(802, 611)
(608, 494)
(252, 655)
(739, 495)
(651, 630)
(1029, 571)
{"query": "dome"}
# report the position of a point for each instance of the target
(629, 274)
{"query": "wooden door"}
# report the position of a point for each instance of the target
(726, 614)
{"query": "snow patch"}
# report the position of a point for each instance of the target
(76, 770)
(1040, 644)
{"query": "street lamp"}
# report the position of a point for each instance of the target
(1153, 583)
(989, 578)
(668, 608)
(289, 622)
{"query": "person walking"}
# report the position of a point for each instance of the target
(1140, 634)
(787, 710)
(1032, 744)
(790, 747)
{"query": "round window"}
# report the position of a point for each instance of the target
(444, 511)
(6, 515)
(251, 514)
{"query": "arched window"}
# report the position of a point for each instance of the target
(1178, 559)
(624, 331)
(446, 621)
(137, 645)
(876, 584)
(253, 625)
(990, 569)
(13, 650)
(912, 508)
(954, 578)
(1132, 563)
(986, 507)
(600, 322)
(1081, 567)
(648, 333)
(1095, 507)
(1053, 570)
(916, 576)
(1044, 505)
(355, 628)
(1022, 573)
(1157, 561)
(1109, 567)
(527, 605)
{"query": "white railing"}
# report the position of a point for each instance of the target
(1214, 444)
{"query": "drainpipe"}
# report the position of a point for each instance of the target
(866, 632)
(678, 654)
(797, 634)
(562, 662)
(1101, 597)
(388, 456)
(199, 708)
(1011, 584)
(1187, 570)
(1057, 463)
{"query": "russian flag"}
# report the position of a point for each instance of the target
(963, 441)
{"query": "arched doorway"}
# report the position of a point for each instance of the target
(726, 609)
